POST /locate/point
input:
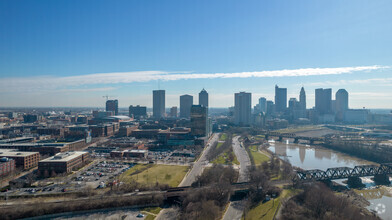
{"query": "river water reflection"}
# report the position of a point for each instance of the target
(309, 157)
(315, 157)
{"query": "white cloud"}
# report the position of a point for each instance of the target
(378, 81)
(31, 84)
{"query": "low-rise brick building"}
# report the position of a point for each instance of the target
(7, 165)
(63, 163)
(24, 160)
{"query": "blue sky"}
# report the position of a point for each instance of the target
(71, 53)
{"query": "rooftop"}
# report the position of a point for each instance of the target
(15, 153)
(120, 117)
(63, 157)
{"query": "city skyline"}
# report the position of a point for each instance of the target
(268, 98)
(74, 57)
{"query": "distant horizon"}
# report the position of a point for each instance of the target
(149, 108)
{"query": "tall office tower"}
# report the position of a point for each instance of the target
(137, 111)
(270, 108)
(302, 99)
(242, 108)
(158, 103)
(323, 101)
(203, 98)
(263, 104)
(186, 102)
(112, 106)
(199, 120)
(341, 103)
(173, 112)
(280, 99)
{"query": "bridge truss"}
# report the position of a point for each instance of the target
(342, 172)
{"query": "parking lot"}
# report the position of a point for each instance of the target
(99, 175)
(169, 157)
(95, 176)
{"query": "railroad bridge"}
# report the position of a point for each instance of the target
(296, 138)
(380, 173)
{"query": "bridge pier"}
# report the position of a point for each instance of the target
(280, 138)
(311, 141)
(355, 182)
(381, 179)
(295, 140)
(266, 137)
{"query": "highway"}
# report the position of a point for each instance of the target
(196, 170)
(236, 208)
(199, 165)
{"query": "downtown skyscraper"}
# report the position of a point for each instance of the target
(186, 102)
(302, 99)
(341, 104)
(203, 98)
(242, 108)
(112, 106)
(323, 101)
(280, 99)
(302, 103)
(158, 104)
(199, 121)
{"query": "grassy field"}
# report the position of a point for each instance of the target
(151, 212)
(151, 173)
(257, 156)
(268, 209)
(150, 217)
(223, 137)
(223, 159)
(263, 210)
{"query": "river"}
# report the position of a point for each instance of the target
(315, 157)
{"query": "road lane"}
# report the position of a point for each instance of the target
(196, 170)
(236, 208)
(200, 164)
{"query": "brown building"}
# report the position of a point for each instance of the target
(145, 133)
(63, 163)
(117, 154)
(104, 129)
(126, 131)
(135, 153)
(25, 160)
(51, 131)
(7, 165)
(97, 131)
(109, 131)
